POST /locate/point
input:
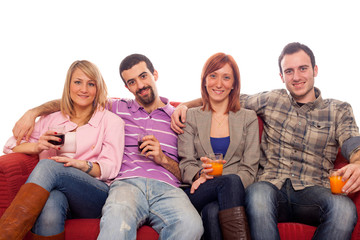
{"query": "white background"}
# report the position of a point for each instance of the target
(41, 38)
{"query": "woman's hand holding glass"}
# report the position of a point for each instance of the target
(205, 172)
(44, 144)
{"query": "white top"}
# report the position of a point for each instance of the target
(69, 147)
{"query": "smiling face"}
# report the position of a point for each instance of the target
(219, 84)
(298, 76)
(82, 90)
(141, 83)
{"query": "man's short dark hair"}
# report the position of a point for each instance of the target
(294, 48)
(132, 60)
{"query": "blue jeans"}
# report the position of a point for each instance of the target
(334, 215)
(73, 194)
(135, 201)
(219, 193)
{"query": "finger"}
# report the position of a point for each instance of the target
(209, 177)
(192, 190)
(28, 134)
(18, 139)
(350, 187)
(175, 125)
(206, 166)
(20, 136)
(176, 129)
(194, 186)
(342, 171)
(182, 117)
(205, 160)
(351, 184)
(54, 158)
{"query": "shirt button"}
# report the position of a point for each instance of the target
(292, 175)
(299, 123)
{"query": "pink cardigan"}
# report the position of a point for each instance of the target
(101, 140)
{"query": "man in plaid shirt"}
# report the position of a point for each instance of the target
(302, 134)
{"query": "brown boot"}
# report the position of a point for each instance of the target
(60, 236)
(21, 215)
(234, 224)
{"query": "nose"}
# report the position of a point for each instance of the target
(140, 84)
(84, 88)
(296, 74)
(218, 82)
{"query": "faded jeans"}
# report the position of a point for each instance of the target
(69, 188)
(334, 215)
(136, 201)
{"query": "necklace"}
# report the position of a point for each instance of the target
(220, 122)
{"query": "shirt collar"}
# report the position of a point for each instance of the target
(96, 117)
(311, 105)
(94, 120)
(134, 106)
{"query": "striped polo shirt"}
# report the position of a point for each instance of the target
(156, 123)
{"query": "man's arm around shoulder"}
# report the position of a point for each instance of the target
(25, 125)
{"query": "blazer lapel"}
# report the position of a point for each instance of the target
(236, 132)
(203, 120)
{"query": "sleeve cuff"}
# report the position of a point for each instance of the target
(350, 146)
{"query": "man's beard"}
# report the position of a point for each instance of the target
(147, 100)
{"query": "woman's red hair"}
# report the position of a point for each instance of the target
(215, 62)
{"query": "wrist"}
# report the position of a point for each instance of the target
(200, 172)
(89, 167)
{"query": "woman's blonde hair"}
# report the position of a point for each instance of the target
(92, 72)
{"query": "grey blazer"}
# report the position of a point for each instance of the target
(242, 156)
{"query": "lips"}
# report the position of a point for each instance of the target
(299, 85)
(143, 91)
(218, 92)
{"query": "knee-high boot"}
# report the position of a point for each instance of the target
(60, 236)
(21, 215)
(233, 223)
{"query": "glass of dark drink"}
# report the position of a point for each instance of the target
(140, 140)
(59, 131)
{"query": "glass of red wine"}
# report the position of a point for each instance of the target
(59, 131)
(140, 140)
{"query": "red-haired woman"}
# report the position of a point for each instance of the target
(220, 126)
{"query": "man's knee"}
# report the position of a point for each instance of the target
(344, 209)
(259, 193)
(193, 225)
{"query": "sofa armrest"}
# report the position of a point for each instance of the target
(15, 168)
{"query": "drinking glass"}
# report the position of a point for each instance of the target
(59, 131)
(336, 182)
(140, 140)
(216, 163)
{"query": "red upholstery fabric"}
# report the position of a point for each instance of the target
(15, 169)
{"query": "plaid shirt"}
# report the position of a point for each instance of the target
(301, 142)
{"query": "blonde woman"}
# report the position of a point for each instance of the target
(70, 181)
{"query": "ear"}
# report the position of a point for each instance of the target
(156, 75)
(315, 70)
(282, 78)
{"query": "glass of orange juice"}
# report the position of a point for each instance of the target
(217, 164)
(336, 182)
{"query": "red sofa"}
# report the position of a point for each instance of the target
(16, 167)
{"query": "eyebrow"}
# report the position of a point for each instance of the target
(138, 76)
(291, 68)
(305, 65)
(142, 73)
